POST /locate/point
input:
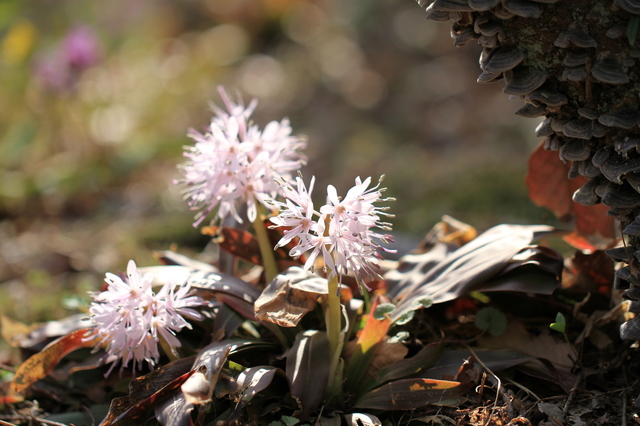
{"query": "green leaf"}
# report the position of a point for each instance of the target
(289, 421)
(425, 358)
(417, 303)
(405, 318)
(560, 325)
(492, 320)
(632, 29)
(382, 310)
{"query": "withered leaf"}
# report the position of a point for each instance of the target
(39, 365)
(289, 297)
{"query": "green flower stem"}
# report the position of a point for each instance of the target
(266, 250)
(365, 298)
(166, 347)
(334, 325)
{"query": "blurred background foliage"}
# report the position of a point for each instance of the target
(97, 97)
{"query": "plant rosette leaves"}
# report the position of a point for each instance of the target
(33, 336)
(234, 292)
(369, 339)
(147, 392)
(410, 394)
(307, 369)
(491, 262)
(425, 358)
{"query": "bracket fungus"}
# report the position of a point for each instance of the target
(579, 71)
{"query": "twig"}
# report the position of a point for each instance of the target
(93, 419)
(31, 418)
(524, 388)
(7, 368)
(499, 390)
(572, 392)
(624, 397)
(48, 422)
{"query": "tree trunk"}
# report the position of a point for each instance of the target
(576, 64)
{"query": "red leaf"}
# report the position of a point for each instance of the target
(39, 365)
(374, 331)
(244, 245)
(591, 273)
(550, 187)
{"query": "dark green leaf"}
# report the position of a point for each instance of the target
(409, 394)
(496, 360)
(308, 369)
(146, 391)
(236, 293)
(425, 358)
(492, 320)
(285, 421)
(251, 381)
(632, 29)
(441, 275)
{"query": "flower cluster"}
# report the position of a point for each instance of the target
(341, 230)
(131, 319)
(236, 163)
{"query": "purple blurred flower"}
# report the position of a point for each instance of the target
(80, 48)
(60, 68)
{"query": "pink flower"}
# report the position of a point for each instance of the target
(235, 164)
(131, 319)
(81, 48)
(343, 231)
(60, 68)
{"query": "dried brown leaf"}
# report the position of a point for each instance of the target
(544, 345)
(289, 297)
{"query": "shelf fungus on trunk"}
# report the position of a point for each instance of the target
(575, 64)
